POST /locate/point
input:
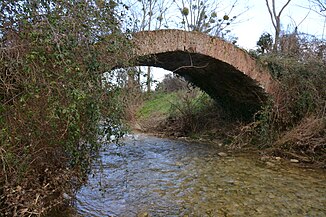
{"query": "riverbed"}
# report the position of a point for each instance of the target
(149, 176)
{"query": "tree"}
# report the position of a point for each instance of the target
(148, 15)
(319, 6)
(265, 43)
(171, 83)
(276, 20)
(205, 16)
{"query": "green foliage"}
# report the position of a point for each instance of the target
(53, 54)
(193, 112)
(185, 11)
(292, 123)
(158, 103)
(189, 103)
(183, 112)
(203, 16)
(302, 83)
(265, 43)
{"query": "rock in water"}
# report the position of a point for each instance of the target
(144, 214)
(294, 161)
(222, 154)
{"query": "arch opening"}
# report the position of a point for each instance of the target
(236, 92)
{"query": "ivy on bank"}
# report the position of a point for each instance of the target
(52, 57)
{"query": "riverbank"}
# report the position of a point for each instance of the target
(264, 156)
(193, 116)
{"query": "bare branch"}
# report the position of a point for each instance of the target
(274, 8)
(270, 13)
(286, 4)
(276, 20)
(190, 66)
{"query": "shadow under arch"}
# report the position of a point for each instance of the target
(226, 73)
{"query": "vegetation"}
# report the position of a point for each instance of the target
(182, 111)
(52, 57)
(159, 103)
(276, 20)
(195, 113)
(292, 124)
(208, 16)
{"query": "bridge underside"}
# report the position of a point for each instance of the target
(236, 92)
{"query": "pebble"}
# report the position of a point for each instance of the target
(294, 161)
(222, 154)
(66, 196)
(19, 188)
(270, 164)
(264, 158)
(144, 214)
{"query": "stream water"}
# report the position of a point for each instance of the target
(149, 176)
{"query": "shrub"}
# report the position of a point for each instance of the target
(293, 122)
(52, 56)
(172, 83)
(193, 112)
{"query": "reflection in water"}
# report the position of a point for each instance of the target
(162, 177)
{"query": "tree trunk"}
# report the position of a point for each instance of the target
(149, 28)
(277, 36)
(276, 20)
(148, 79)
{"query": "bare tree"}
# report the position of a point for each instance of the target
(276, 20)
(151, 3)
(211, 17)
(319, 6)
(148, 15)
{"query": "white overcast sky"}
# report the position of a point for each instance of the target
(248, 32)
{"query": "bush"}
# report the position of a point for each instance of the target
(171, 83)
(293, 122)
(193, 112)
(52, 56)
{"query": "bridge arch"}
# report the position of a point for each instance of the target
(228, 74)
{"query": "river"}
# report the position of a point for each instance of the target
(149, 176)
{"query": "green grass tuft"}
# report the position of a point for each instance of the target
(159, 103)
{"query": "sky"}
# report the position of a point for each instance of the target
(257, 20)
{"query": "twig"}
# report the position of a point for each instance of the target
(190, 66)
(195, 67)
(3, 164)
(11, 99)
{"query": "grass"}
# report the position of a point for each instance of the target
(158, 103)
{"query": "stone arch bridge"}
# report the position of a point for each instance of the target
(228, 74)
